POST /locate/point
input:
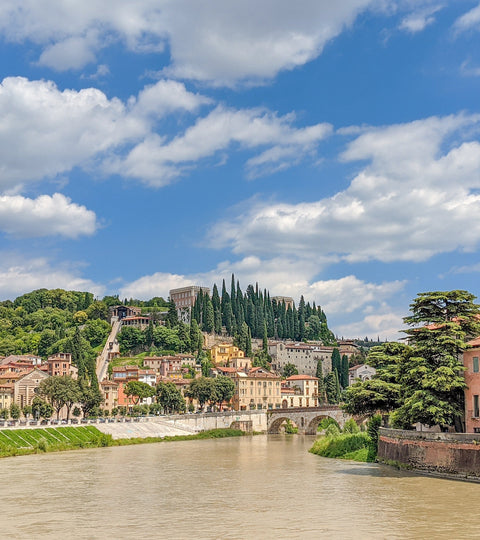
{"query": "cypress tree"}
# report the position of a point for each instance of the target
(209, 322)
(344, 371)
(336, 360)
(265, 339)
(217, 315)
(331, 388)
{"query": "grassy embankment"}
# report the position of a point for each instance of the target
(351, 444)
(19, 442)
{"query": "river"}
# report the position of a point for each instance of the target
(244, 488)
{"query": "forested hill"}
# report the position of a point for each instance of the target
(261, 314)
(44, 322)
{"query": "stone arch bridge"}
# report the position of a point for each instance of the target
(306, 418)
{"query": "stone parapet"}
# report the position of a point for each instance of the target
(447, 454)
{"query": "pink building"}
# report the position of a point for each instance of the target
(472, 392)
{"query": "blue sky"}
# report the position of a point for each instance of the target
(330, 149)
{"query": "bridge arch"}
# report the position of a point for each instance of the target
(305, 418)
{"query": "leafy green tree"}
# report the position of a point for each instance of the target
(224, 389)
(15, 411)
(90, 397)
(289, 370)
(170, 398)
(203, 390)
(138, 390)
(61, 392)
(27, 411)
(98, 310)
(80, 317)
(130, 339)
(432, 378)
(96, 331)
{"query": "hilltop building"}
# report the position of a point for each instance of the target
(184, 299)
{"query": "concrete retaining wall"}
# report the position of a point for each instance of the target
(185, 424)
(440, 453)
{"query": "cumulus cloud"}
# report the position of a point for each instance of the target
(19, 275)
(45, 216)
(210, 41)
(45, 131)
(469, 20)
(414, 197)
(157, 161)
(385, 324)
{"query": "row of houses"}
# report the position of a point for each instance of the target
(21, 375)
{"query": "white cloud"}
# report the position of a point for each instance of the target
(45, 216)
(45, 131)
(165, 97)
(415, 197)
(216, 41)
(386, 324)
(74, 52)
(19, 275)
(158, 162)
(419, 20)
(469, 20)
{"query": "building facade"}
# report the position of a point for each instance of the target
(224, 352)
(184, 299)
(471, 359)
(256, 389)
(362, 372)
(300, 391)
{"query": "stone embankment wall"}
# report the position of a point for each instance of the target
(185, 424)
(445, 454)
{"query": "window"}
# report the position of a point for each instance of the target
(475, 364)
(476, 412)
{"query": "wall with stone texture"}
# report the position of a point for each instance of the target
(441, 453)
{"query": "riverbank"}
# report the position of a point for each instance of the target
(20, 442)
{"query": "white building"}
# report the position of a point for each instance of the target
(362, 372)
(304, 356)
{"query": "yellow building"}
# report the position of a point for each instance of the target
(225, 352)
(257, 389)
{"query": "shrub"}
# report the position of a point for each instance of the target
(341, 445)
(332, 431)
(351, 426)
